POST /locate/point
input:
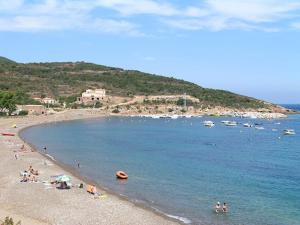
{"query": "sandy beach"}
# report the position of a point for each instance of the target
(39, 203)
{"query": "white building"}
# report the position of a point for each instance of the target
(47, 100)
(92, 95)
(50, 101)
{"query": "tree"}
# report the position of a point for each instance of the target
(7, 102)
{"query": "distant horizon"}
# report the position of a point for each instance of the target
(248, 47)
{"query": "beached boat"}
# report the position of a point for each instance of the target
(209, 123)
(7, 134)
(289, 132)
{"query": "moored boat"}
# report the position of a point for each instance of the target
(231, 123)
(209, 123)
(289, 132)
(259, 128)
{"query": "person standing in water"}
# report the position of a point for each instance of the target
(218, 207)
(224, 208)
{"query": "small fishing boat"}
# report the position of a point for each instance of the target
(121, 175)
(7, 134)
(289, 132)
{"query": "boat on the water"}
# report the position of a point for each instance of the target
(289, 132)
(247, 125)
(231, 123)
(225, 121)
(121, 175)
(259, 128)
(208, 123)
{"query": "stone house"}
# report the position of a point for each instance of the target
(32, 109)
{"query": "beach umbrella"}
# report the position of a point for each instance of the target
(63, 178)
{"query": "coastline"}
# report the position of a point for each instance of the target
(113, 209)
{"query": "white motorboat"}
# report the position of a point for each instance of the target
(289, 132)
(259, 128)
(225, 121)
(209, 123)
(231, 123)
(247, 125)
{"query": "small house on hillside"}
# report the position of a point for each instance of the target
(32, 109)
(92, 96)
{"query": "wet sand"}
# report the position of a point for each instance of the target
(41, 203)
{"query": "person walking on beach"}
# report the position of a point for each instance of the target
(16, 156)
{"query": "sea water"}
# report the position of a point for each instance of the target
(181, 168)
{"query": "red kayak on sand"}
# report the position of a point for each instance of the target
(7, 134)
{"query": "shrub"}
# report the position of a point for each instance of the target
(9, 221)
(115, 111)
(98, 104)
(3, 114)
(23, 113)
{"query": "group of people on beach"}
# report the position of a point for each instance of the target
(29, 175)
(219, 208)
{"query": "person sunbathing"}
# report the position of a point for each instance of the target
(35, 172)
(94, 190)
(33, 179)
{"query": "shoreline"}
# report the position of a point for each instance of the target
(139, 210)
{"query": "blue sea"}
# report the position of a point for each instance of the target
(181, 168)
(292, 106)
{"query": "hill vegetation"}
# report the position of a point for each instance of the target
(69, 79)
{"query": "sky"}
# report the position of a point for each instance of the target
(251, 47)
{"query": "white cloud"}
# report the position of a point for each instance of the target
(134, 7)
(255, 11)
(261, 15)
(54, 15)
(216, 15)
(295, 25)
(10, 5)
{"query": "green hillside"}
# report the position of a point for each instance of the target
(70, 79)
